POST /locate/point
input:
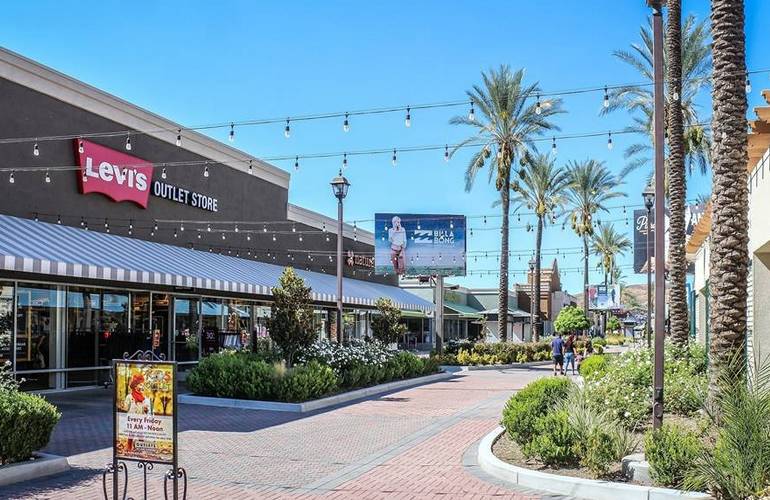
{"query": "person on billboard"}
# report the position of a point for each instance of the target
(136, 402)
(397, 239)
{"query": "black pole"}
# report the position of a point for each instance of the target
(339, 271)
(648, 330)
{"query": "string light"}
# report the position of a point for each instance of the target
(47, 177)
(163, 174)
(206, 171)
(538, 109)
(264, 228)
(130, 227)
(11, 177)
(408, 119)
(251, 167)
(58, 219)
(296, 163)
(609, 141)
(236, 228)
(181, 227)
(82, 222)
(446, 153)
(231, 136)
(472, 114)
(606, 98)
(37, 219)
(344, 161)
(273, 236)
(394, 160)
(128, 142)
(287, 130)
(155, 226)
(748, 84)
(81, 147)
(293, 228)
(36, 150)
(208, 228)
(553, 146)
(178, 137)
(346, 124)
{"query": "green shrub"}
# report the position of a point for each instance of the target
(303, 383)
(7, 380)
(615, 339)
(524, 408)
(233, 374)
(684, 393)
(553, 441)
(26, 424)
(594, 366)
(599, 452)
(598, 341)
(571, 319)
(671, 452)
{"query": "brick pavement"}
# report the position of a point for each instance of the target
(407, 444)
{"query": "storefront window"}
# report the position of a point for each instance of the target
(6, 322)
(259, 333)
(97, 333)
(211, 325)
(160, 323)
(140, 322)
(39, 314)
(186, 329)
(236, 334)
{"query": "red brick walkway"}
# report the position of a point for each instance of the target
(408, 444)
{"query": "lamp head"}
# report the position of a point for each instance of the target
(649, 197)
(340, 186)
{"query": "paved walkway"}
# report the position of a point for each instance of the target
(415, 443)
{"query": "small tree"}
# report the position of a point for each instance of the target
(386, 325)
(613, 324)
(291, 317)
(571, 319)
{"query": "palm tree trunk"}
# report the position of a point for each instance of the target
(585, 273)
(536, 278)
(502, 303)
(677, 187)
(729, 258)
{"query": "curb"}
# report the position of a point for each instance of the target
(43, 465)
(509, 366)
(316, 404)
(571, 486)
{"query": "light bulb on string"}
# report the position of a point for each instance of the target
(128, 142)
(163, 174)
(446, 153)
(293, 228)
(179, 137)
(175, 234)
(287, 129)
(236, 228)
(273, 236)
(296, 163)
(37, 219)
(300, 238)
(609, 141)
(606, 102)
(408, 119)
(206, 171)
(58, 219)
(346, 124)
(11, 177)
(208, 228)
(748, 84)
(181, 226)
(251, 167)
(231, 136)
(81, 147)
(36, 150)
(248, 237)
(223, 236)
(47, 177)
(472, 114)
(344, 161)
(394, 160)
(264, 228)
(155, 226)
(538, 108)
(553, 147)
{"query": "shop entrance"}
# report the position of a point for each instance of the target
(160, 324)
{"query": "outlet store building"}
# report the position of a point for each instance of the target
(169, 247)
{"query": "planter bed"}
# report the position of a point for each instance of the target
(495, 367)
(316, 404)
(41, 465)
(570, 484)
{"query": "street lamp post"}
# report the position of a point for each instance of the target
(649, 198)
(340, 187)
(657, 53)
(532, 299)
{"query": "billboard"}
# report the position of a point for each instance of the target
(640, 240)
(603, 297)
(419, 244)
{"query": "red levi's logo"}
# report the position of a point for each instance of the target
(116, 175)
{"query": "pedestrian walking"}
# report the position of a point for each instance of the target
(557, 351)
(569, 353)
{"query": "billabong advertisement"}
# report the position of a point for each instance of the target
(144, 411)
(419, 244)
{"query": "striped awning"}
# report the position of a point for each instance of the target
(52, 249)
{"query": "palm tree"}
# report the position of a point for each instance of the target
(510, 115)
(608, 244)
(541, 188)
(591, 186)
(638, 99)
(677, 187)
(729, 232)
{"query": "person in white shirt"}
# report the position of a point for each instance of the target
(397, 239)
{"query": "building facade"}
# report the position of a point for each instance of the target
(121, 230)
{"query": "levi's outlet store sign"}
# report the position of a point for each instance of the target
(122, 177)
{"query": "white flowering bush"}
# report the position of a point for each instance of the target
(625, 386)
(344, 356)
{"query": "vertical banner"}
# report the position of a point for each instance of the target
(144, 411)
(641, 252)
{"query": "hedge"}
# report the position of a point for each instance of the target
(26, 424)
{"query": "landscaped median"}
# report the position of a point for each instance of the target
(325, 374)
(499, 355)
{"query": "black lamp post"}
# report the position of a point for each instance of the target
(649, 198)
(532, 298)
(340, 187)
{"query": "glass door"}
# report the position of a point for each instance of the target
(160, 324)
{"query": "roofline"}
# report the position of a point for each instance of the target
(24, 71)
(317, 220)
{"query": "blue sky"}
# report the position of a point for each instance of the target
(199, 62)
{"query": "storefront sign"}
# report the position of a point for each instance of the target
(145, 398)
(184, 196)
(114, 174)
(356, 260)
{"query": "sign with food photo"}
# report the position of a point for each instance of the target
(144, 411)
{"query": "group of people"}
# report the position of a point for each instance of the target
(565, 353)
